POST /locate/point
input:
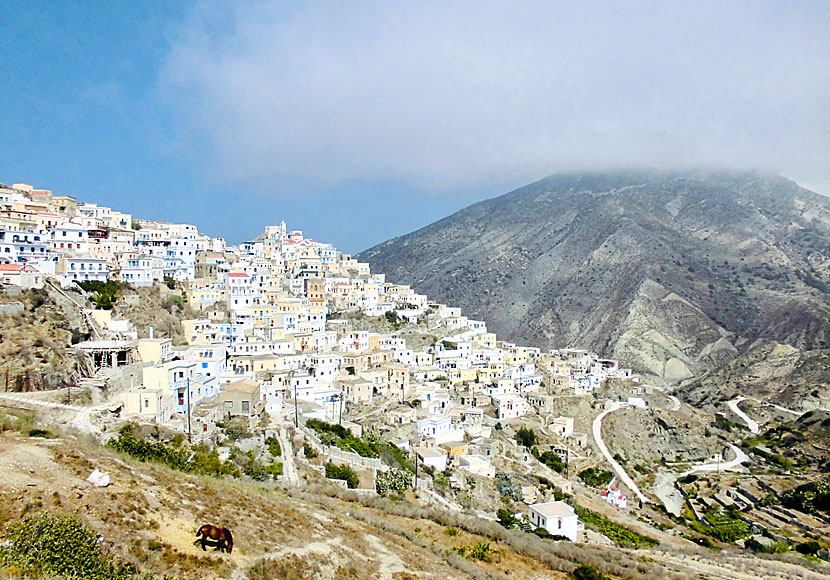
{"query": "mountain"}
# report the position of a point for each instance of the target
(672, 272)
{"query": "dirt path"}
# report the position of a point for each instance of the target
(289, 467)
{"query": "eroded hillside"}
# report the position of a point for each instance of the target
(673, 273)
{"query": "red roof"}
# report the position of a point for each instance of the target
(237, 275)
(11, 267)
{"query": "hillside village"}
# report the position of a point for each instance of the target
(357, 379)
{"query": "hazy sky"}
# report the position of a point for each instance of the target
(357, 122)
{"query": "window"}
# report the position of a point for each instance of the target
(245, 406)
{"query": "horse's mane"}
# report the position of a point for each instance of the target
(230, 536)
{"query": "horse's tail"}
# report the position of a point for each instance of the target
(199, 532)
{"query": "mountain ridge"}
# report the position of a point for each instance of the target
(655, 267)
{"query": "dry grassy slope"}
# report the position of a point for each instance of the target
(149, 515)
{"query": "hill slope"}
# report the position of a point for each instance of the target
(673, 273)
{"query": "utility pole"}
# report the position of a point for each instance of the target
(340, 417)
(415, 456)
(189, 434)
(296, 412)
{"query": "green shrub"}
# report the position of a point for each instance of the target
(620, 535)
(197, 459)
(810, 548)
(105, 294)
(392, 480)
(553, 461)
(39, 433)
(586, 572)
(506, 518)
(274, 446)
(481, 551)
(596, 477)
(811, 497)
(59, 546)
(342, 472)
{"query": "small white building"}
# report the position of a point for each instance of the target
(476, 465)
(615, 497)
(435, 458)
(434, 426)
(557, 517)
(563, 426)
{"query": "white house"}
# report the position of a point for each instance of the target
(557, 517)
(477, 465)
(435, 458)
(81, 268)
(434, 426)
(615, 497)
(511, 406)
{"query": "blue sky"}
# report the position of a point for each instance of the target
(361, 121)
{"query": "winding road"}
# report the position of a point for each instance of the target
(752, 425)
(596, 428)
(740, 457)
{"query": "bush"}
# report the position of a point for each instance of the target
(586, 572)
(508, 488)
(811, 497)
(618, 534)
(392, 480)
(506, 518)
(553, 461)
(481, 551)
(197, 459)
(596, 477)
(342, 472)
(58, 546)
(810, 548)
(105, 294)
(759, 548)
(274, 446)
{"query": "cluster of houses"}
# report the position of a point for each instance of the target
(276, 335)
(54, 236)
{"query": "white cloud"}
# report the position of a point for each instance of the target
(448, 95)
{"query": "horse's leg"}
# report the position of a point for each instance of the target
(202, 541)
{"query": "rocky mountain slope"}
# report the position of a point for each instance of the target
(674, 273)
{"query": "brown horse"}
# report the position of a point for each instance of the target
(221, 538)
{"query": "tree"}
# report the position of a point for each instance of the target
(526, 437)
(506, 519)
